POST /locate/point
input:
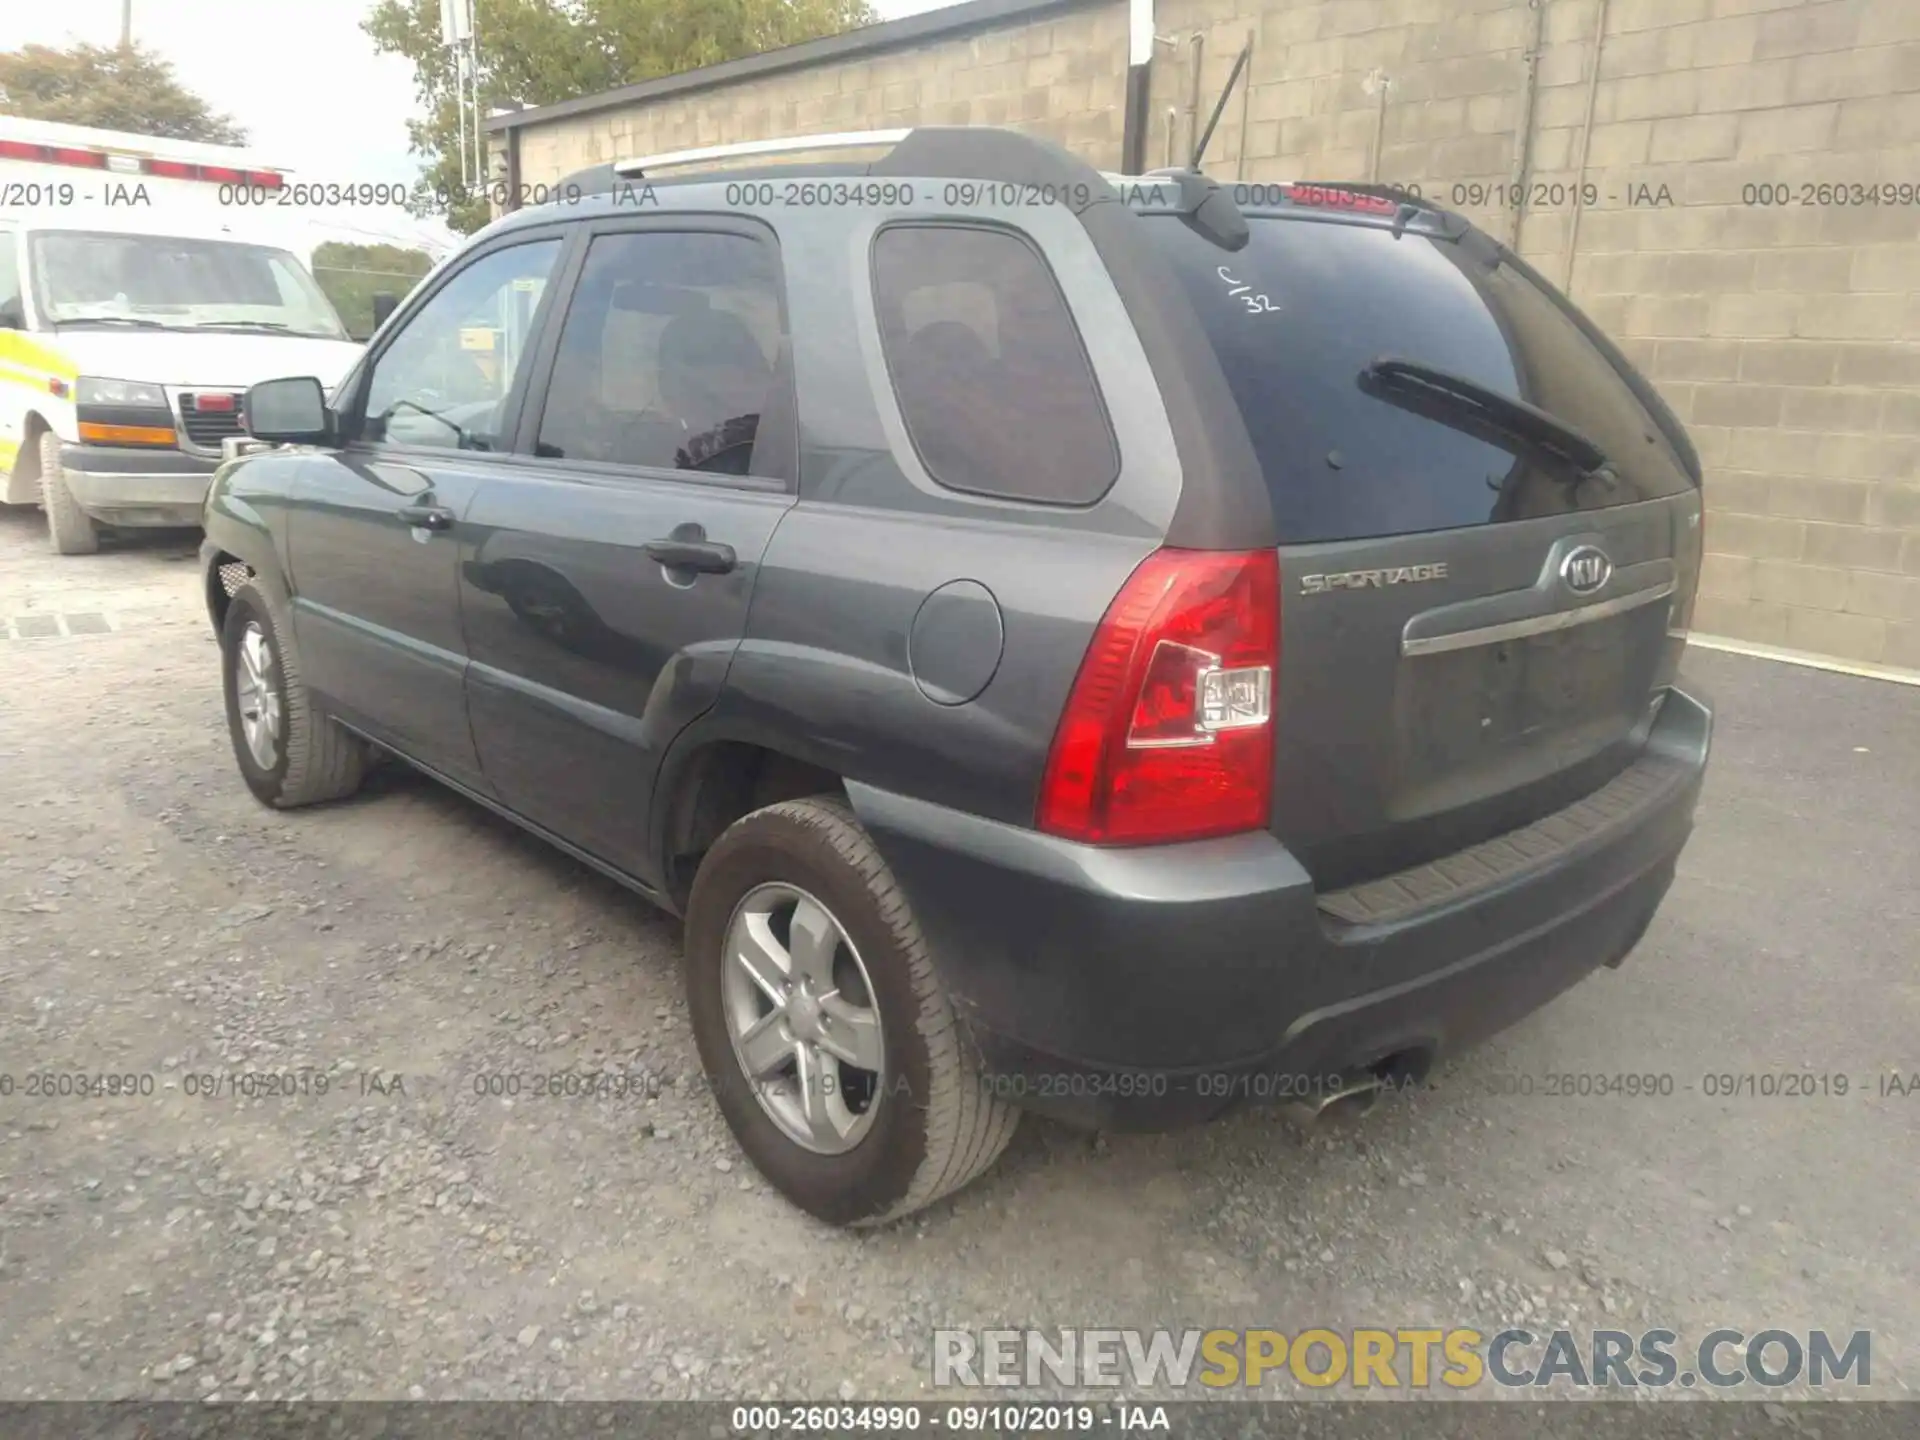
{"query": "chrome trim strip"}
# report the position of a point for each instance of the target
(183, 442)
(1535, 624)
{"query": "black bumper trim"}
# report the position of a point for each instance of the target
(1457, 878)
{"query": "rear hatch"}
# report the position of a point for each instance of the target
(1482, 601)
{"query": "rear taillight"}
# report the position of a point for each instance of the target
(1168, 732)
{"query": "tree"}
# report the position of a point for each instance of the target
(538, 52)
(353, 274)
(111, 89)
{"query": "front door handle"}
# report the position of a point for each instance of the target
(427, 517)
(704, 557)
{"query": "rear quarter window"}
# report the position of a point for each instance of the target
(993, 381)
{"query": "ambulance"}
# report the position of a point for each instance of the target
(144, 285)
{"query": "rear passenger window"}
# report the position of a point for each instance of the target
(669, 355)
(994, 384)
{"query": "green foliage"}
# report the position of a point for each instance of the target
(539, 52)
(353, 274)
(109, 89)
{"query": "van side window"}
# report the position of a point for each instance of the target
(669, 356)
(994, 383)
(13, 310)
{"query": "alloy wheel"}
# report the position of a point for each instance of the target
(801, 1014)
(256, 697)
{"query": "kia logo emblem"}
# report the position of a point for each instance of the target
(1586, 569)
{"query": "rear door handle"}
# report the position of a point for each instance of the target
(705, 557)
(427, 517)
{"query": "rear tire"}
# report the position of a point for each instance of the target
(934, 1126)
(70, 530)
(310, 758)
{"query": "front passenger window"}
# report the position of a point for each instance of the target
(444, 380)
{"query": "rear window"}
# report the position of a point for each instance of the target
(1298, 314)
(995, 387)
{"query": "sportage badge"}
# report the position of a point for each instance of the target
(1372, 579)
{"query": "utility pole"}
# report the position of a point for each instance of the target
(126, 24)
(458, 39)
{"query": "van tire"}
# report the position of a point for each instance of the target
(70, 530)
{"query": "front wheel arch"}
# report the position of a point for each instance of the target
(23, 483)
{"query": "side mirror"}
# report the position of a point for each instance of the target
(385, 302)
(13, 315)
(289, 412)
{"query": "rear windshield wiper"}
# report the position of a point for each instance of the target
(1450, 398)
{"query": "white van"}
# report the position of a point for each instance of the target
(130, 330)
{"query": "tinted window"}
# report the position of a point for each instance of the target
(670, 354)
(994, 384)
(1297, 315)
(444, 380)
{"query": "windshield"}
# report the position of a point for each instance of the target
(85, 277)
(1323, 330)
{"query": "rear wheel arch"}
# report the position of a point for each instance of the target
(716, 782)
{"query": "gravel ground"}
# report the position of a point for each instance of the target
(405, 1234)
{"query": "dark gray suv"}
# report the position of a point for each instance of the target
(1111, 646)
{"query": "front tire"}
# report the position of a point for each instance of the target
(70, 530)
(289, 753)
(832, 1049)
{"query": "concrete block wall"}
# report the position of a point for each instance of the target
(1054, 76)
(1782, 321)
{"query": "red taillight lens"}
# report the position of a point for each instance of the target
(1168, 732)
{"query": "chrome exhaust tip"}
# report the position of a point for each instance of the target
(1348, 1100)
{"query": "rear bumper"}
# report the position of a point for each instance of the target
(1145, 989)
(125, 486)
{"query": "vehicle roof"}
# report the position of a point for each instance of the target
(180, 224)
(985, 154)
(596, 192)
(131, 142)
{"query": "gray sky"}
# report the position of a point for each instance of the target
(298, 74)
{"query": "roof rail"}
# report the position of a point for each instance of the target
(640, 165)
